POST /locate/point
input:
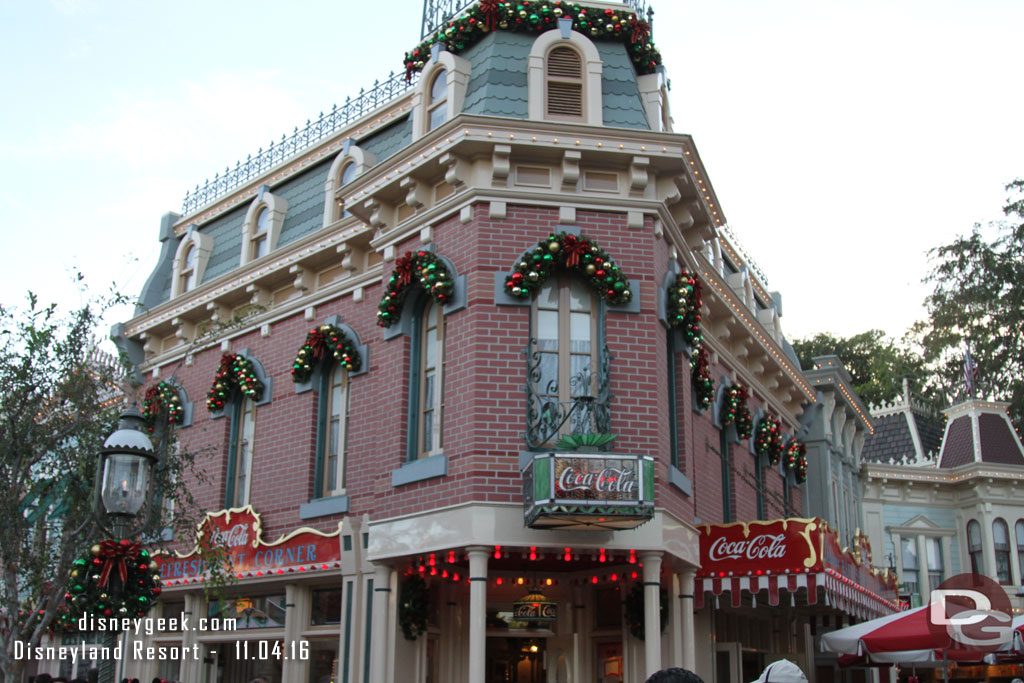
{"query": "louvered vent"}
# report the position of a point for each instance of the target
(565, 83)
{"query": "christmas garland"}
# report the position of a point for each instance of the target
(433, 276)
(573, 254)
(63, 621)
(768, 439)
(536, 16)
(319, 342)
(796, 460)
(634, 604)
(684, 302)
(115, 579)
(413, 606)
(235, 372)
(158, 397)
(734, 410)
(700, 376)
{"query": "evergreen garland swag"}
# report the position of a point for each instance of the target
(432, 274)
(634, 608)
(700, 376)
(321, 341)
(536, 16)
(734, 409)
(235, 372)
(796, 459)
(564, 251)
(768, 439)
(114, 579)
(684, 302)
(413, 606)
(158, 397)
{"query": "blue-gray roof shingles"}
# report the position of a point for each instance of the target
(622, 105)
(497, 82)
(386, 142)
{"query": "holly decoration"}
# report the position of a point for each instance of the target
(567, 252)
(158, 397)
(235, 372)
(700, 376)
(684, 302)
(432, 274)
(634, 604)
(768, 439)
(321, 342)
(734, 410)
(413, 605)
(114, 579)
(796, 459)
(537, 16)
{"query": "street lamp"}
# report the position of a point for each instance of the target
(125, 470)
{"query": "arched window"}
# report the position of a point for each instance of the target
(437, 112)
(974, 547)
(908, 551)
(563, 79)
(258, 242)
(426, 396)
(243, 431)
(262, 226)
(1020, 548)
(188, 269)
(565, 327)
(1001, 543)
(935, 569)
(333, 433)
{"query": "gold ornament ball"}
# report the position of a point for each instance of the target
(95, 550)
(553, 247)
(591, 269)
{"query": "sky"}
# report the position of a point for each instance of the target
(844, 139)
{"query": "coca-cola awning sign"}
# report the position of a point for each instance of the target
(777, 547)
(239, 532)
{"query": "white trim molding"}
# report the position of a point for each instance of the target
(593, 108)
(458, 79)
(277, 207)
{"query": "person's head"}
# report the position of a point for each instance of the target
(674, 675)
(44, 678)
(782, 671)
(259, 679)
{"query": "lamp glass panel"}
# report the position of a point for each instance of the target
(125, 483)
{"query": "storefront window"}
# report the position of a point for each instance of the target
(935, 572)
(326, 607)
(323, 661)
(70, 668)
(265, 611)
(908, 549)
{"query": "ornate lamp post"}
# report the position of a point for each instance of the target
(124, 474)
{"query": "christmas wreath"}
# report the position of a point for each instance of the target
(413, 606)
(700, 376)
(535, 16)
(684, 302)
(573, 254)
(432, 275)
(321, 341)
(158, 397)
(634, 604)
(734, 410)
(768, 439)
(115, 579)
(235, 372)
(796, 459)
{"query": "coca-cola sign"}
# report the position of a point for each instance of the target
(605, 478)
(237, 535)
(781, 546)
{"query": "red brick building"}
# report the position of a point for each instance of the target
(526, 225)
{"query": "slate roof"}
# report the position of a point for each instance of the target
(930, 431)
(998, 444)
(958, 448)
(891, 440)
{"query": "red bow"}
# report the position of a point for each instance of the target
(116, 553)
(226, 361)
(317, 342)
(410, 68)
(490, 11)
(641, 30)
(574, 248)
(404, 269)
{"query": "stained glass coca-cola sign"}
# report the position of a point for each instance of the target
(591, 490)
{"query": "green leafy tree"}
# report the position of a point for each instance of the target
(877, 363)
(978, 303)
(59, 400)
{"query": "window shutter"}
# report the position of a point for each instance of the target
(564, 83)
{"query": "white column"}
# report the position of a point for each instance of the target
(195, 609)
(675, 620)
(686, 588)
(652, 612)
(988, 546)
(297, 616)
(924, 586)
(379, 626)
(477, 613)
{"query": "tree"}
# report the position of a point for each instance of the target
(59, 400)
(876, 363)
(978, 304)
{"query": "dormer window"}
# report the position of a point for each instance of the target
(259, 237)
(190, 261)
(564, 85)
(188, 269)
(436, 110)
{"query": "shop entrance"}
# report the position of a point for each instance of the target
(515, 660)
(240, 662)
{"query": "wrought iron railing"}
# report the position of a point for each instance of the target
(748, 260)
(437, 13)
(587, 412)
(314, 131)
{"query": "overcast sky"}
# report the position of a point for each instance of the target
(844, 139)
